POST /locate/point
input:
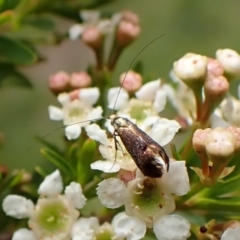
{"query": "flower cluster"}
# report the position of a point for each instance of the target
(98, 162)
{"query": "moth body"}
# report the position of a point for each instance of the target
(148, 155)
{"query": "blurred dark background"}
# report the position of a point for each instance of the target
(189, 26)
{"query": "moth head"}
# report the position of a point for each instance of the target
(118, 122)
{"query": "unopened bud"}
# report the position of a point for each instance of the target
(74, 94)
(199, 146)
(92, 36)
(131, 81)
(214, 67)
(130, 16)
(59, 82)
(191, 68)
(236, 132)
(220, 145)
(216, 87)
(230, 61)
(80, 80)
(127, 32)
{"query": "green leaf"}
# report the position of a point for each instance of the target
(8, 4)
(16, 52)
(174, 152)
(15, 79)
(41, 22)
(11, 181)
(49, 145)
(5, 17)
(85, 158)
(57, 160)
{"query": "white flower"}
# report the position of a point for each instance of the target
(171, 227)
(111, 192)
(231, 233)
(130, 228)
(52, 185)
(191, 67)
(230, 61)
(24, 234)
(53, 216)
(145, 198)
(17, 206)
(92, 18)
(74, 192)
(77, 113)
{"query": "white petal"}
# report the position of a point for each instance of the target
(148, 91)
(171, 227)
(117, 99)
(127, 227)
(52, 185)
(105, 166)
(160, 100)
(96, 113)
(73, 131)
(111, 192)
(231, 233)
(89, 95)
(63, 98)
(96, 133)
(24, 234)
(74, 192)
(176, 178)
(164, 130)
(216, 121)
(83, 228)
(55, 113)
(17, 206)
(75, 31)
(90, 16)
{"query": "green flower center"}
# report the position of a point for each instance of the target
(52, 216)
(149, 199)
(137, 111)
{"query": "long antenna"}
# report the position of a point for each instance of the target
(130, 65)
(56, 129)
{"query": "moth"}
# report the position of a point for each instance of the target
(148, 155)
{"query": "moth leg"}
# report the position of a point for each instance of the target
(116, 142)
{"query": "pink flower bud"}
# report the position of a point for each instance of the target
(59, 82)
(216, 87)
(230, 61)
(131, 82)
(74, 94)
(80, 80)
(130, 16)
(236, 132)
(199, 146)
(127, 32)
(214, 68)
(191, 68)
(220, 145)
(92, 36)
